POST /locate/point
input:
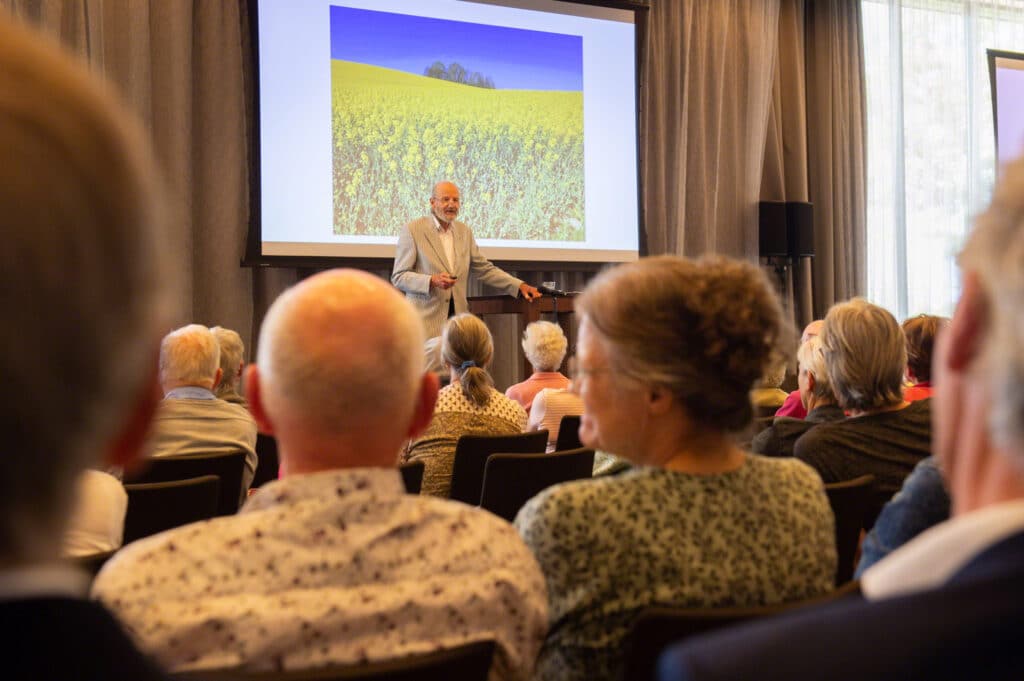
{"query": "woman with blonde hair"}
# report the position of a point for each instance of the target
(667, 353)
(469, 405)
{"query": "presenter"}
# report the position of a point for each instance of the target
(435, 256)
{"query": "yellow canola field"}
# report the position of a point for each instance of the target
(517, 155)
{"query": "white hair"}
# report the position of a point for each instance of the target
(84, 289)
(544, 344)
(995, 253)
(232, 354)
(341, 348)
(189, 356)
(865, 355)
(811, 359)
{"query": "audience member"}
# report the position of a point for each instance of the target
(544, 344)
(668, 351)
(950, 603)
(922, 502)
(84, 296)
(191, 420)
(334, 563)
(96, 524)
(232, 361)
(865, 356)
(549, 407)
(793, 406)
(468, 406)
(920, 332)
(816, 397)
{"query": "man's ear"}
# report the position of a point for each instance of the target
(126, 447)
(423, 411)
(810, 382)
(217, 378)
(659, 400)
(254, 396)
(968, 324)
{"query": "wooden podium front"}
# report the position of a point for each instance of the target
(526, 312)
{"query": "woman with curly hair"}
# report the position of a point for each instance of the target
(667, 353)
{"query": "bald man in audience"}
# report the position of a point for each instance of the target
(191, 419)
(949, 604)
(794, 407)
(85, 294)
(334, 563)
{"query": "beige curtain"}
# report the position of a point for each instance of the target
(707, 93)
(836, 150)
(178, 63)
(816, 147)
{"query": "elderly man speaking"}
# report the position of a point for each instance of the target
(334, 563)
(436, 255)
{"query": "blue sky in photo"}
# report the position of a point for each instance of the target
(513, 58)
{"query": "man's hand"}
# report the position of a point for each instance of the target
(528, 292)
(442, 280)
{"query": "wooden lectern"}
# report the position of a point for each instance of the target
(526, 312)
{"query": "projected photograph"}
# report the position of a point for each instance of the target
(498, 111)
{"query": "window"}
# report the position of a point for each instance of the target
(931, 147)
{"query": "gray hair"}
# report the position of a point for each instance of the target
(232, 354)
(865, 355)
(544, 344)
(189, 356)
(467, 347)
(705, 329)
(341, 348)
(995, 253)
(85, 291)
(812, 360)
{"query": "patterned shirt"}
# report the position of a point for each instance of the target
(455, 416)
(333, 567)
(611, 546)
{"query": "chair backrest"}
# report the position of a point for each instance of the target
(471, 452)
(658, 627)
(267, 463)
(851, 501)
(470, 662)
(227, 466)
(157, 506)
(412, 476)
(510, 480)
(568, 434)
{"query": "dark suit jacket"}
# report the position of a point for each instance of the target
(972, 628)
(67, 639)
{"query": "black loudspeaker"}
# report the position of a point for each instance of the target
(786, 229)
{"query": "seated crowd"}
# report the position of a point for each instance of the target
(334, 563)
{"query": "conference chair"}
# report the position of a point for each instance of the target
(568, 434)
(851, 502)
(510, 480)
(412, 476)
(267, 463)
(658, 627)
(227, 466)
(471, 452)
(470, 662)
(157, 506)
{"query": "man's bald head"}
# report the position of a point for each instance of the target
(811, 330)
(340, 359)
(445, 201)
